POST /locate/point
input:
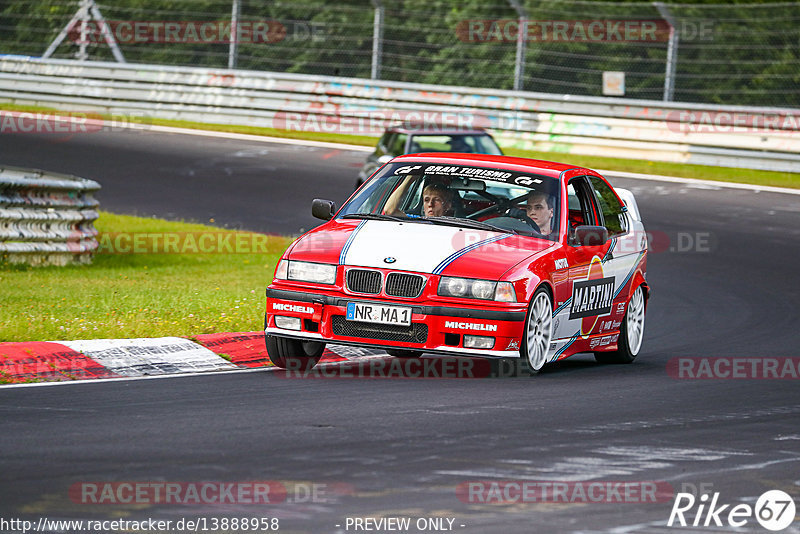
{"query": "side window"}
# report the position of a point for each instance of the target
(384, 144)
(580, 205)
(614, 218)
(398, 145)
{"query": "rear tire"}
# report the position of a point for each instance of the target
(399, 353)
(294, 354)
(630, 333)
(537, 335)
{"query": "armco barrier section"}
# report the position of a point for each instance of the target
(46, 218)
(758, 138)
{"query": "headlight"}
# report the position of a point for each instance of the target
(303, 271)
(476, 289)
(454, 287)
(482, 289)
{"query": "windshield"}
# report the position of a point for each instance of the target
(468, 196)
(465, 143)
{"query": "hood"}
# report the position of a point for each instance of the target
(433, 249)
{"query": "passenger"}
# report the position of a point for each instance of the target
(436, 200)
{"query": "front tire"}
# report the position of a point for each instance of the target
(538, 333)
(294, 354)
(630, 333)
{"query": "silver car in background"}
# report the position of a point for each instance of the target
(411, 139)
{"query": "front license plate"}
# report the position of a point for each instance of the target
(375, 313)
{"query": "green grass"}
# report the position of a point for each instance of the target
(702, 172)
(139, 295)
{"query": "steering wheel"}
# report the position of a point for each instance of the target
(522, 216)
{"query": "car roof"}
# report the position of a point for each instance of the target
(538, 166)
(433, 129)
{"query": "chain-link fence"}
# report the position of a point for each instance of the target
(746, 54)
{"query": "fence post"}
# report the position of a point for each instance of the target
(233, 51)
(519, 62)
(672, 52)
(377, 40)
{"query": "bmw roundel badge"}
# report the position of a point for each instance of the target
(389, 260)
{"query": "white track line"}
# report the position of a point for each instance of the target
(130, 378)
(252, 137)
(694, 181)
(359, 148)
(181, 375)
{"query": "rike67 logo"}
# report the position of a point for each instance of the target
(774, 510)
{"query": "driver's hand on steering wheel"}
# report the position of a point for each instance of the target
(522, 215)
(517, 213)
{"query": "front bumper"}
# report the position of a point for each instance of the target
(434, 329)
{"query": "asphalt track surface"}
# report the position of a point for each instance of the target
(400, 447)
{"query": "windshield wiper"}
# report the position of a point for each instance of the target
(469, 223)
(374, 217)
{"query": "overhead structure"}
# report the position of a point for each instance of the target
(87, 11)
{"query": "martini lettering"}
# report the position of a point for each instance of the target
(592, 297)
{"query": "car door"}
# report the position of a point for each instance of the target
(625, 250)
(592, 280)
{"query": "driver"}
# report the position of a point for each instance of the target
(540, 209)
(437, 199)
(457, 144)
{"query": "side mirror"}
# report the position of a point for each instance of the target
(386, 158)
(323, 209)
(589, 236)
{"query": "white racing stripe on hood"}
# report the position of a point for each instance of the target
(417, 247)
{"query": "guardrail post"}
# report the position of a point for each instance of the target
(519, 62)
(672, 51)
(377, 40)
(233, 51)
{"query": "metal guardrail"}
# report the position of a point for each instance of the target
(624, 128)
(46, 218)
